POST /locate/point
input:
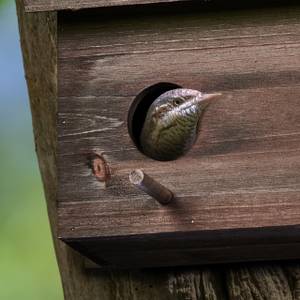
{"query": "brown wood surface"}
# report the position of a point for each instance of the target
(54, 5)
(49, 5)
(243, 172)
(235, 282)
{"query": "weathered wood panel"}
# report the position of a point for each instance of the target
(48, 5)
(243, 172)
(191, 248)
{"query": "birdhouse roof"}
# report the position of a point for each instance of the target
(52, 5)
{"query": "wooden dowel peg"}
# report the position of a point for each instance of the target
(150, 186)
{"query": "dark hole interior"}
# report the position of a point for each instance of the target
(139, 108)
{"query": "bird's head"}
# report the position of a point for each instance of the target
(172, 122)
(180, 103)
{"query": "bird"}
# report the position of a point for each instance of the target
(172, 123)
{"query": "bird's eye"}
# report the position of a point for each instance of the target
(177, 101)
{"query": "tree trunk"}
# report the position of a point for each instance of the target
(249, 281)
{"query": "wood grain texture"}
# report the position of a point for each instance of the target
(50, 5)
(247, 281)
(242, 173)
(54, 5)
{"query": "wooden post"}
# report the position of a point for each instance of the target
(249, 281)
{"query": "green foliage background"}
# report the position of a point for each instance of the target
(2, 2)
(28, 268)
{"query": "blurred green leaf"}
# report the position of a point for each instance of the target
(2, 2)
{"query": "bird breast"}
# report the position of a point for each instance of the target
(171, 136)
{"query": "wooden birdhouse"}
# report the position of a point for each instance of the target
(236, 193)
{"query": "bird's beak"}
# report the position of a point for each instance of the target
(207, 98)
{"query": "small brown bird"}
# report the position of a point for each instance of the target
(172, 123)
